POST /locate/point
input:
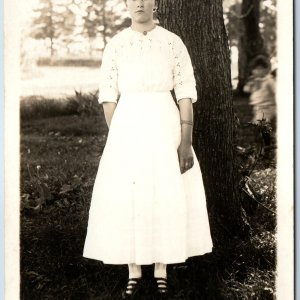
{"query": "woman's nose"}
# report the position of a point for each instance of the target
(140, 3)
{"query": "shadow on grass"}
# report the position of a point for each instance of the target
(53, 268)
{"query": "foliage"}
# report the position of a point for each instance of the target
(65, 22)
(36, 107)
(268, 15)
(251, 273)
(86, 104)
(268, 19)
(56, 20)
(94, 20)
(100, 19)
(43, 25)
(53, 20)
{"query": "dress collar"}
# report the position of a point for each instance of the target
(145, 33)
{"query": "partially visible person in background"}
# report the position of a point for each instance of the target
(262, 87)
(261, 84)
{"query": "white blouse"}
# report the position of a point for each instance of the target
(157, 61)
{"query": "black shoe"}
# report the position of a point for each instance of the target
(162, 287)
(131, 288)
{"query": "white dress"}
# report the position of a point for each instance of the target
(143, 210)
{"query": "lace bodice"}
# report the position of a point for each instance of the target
(134, 62)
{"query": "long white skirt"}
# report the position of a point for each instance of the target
(143, 210)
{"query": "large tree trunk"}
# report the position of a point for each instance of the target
(251, 42)
(200, 24)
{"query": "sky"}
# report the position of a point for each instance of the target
(27, 9)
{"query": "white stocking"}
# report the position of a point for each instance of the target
(160, 270)
(135, 271)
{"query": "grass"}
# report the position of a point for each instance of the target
(60, 153)
(39, 107)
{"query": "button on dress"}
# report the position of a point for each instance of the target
(143, 210)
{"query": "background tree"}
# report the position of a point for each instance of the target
(260, 15)
(94, 20)
(232, 14)
(101, 19)
(53, 20)
(268, 26)
(251, 42)
(65, 22)
(44, 24)
(206, 39)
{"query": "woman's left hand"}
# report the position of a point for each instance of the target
(185, 155)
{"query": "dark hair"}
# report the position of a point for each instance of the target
(260, 61)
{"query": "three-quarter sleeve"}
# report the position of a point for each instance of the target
(183, 73)
(108, 79)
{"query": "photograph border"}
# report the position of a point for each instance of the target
(2, 150)
(285, 191)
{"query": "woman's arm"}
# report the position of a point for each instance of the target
(109, 109)
(185, 153)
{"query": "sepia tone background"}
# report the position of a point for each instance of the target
(73, 34)
(63, 133)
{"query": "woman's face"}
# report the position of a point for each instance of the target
(260, 71)
(141, 11)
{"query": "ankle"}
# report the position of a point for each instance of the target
(160, 270)
(134, 271)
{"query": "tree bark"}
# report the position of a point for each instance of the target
(251, 42)
(51, 47)
(201, 26)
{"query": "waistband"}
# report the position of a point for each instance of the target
(124, 93)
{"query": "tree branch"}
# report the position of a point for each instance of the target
(242, 16)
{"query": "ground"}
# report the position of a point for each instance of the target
(59, 160)
(56, 82)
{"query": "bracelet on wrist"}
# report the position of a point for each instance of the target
(186, 122)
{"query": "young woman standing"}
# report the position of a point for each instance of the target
(148, 204)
